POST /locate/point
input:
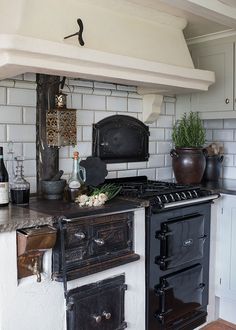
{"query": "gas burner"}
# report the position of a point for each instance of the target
(162, 194)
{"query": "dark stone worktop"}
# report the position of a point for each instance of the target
(42, 212)
(224, 186)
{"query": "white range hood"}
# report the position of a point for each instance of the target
(124, 43)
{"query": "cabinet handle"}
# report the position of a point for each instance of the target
(97, 318)
(99, 241)
(227, 101)
(106, 315)
(80, 235)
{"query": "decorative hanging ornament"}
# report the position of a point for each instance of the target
(61, 124)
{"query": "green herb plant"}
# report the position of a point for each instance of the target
(188, 132)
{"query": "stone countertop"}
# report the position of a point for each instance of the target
(224, 186)
(43, 212)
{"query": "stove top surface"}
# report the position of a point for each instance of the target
(160, 193)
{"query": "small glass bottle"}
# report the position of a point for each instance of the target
(76, 180)
(20, 188)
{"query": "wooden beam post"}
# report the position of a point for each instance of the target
(47, 158)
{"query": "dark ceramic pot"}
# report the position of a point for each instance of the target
(188, 164)
(53, 189)
(213, 168)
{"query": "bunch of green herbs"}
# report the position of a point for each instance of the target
(188, 132)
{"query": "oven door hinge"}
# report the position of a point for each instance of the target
(62, 226)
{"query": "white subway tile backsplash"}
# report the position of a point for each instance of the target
(2, 95)
(229, 160)
(100, 91)
(82, 90)
(156, 161)
(135, 105)
(209, 135)
(99, 115)
(117, 167)
(165, 121)
(7, 83)
(94, 102)
(84, 148)
(21, 97)
(119, 93)
(21, 133)
(229, 147)
(168, 160)
(116, 103)
(135, 95)
(25, 84)
(29, 115)
(33, 184)
(76, 101)
(223, 135)
(152, 147)
(163, 147)
(126, 88)
(66, 164)
(80, 83)
(127, 173)
(137, 165)
(111, 175)
(149, 172)
(2, 133)
(168, 134)
(29, 167)
(64, 152)
(130, 114)
(229, 123)
(229, 172)
(164, 173)
(213, 124)
(29, 150)
(85, 117)
(9, 114)
(102, 85)
(29, 76)
(157, 134)
(87, 133)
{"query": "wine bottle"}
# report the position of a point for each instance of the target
(4, 182)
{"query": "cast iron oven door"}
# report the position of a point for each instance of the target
(179, 296)
(182, 240)
(119, 138)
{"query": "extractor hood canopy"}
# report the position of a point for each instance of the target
(124, 43)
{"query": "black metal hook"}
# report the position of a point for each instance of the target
(79, 33)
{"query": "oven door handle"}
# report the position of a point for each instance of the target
(161, 260)
(160, 291)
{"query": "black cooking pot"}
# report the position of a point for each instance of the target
(213, 168)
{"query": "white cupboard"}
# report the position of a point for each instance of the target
(226, 258)
(219, 100)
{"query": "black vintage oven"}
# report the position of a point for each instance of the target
(177, 267)
(177, 251)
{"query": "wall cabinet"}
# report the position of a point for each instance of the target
(218, 101)
(226, 258)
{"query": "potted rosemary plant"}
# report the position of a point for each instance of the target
(188, 158)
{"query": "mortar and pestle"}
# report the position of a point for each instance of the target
(53, 188)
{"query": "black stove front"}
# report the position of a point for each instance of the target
(177, 252)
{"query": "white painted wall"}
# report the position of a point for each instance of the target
(28, 305)
(93, 101)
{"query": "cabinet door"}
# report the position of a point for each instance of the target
(226, 259)
(217, 58)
